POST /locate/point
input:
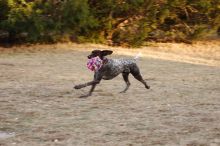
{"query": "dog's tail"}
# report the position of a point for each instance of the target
(137, 56)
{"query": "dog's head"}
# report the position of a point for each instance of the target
(99, 53)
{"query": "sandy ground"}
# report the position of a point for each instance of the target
(39, 107)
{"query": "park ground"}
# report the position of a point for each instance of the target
(39, 107)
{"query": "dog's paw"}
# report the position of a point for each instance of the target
(122, 91)
(148, 87)
(85, 96)
(77, 87)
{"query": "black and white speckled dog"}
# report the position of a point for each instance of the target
(110, 69)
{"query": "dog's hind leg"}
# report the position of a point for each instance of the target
(125, 77)
(137, 75)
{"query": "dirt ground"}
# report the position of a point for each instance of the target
(39, 107)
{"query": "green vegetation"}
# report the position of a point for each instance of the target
(114, 22)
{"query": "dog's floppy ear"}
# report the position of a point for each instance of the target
(96, 51)
(106, 52)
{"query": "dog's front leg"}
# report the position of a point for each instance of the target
(90, 92)
(86, 84)
(97, 79)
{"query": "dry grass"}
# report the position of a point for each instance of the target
(200, 52)
(38, 106)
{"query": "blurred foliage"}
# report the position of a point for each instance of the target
(113, 22)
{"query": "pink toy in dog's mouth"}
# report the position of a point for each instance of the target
(94, 64)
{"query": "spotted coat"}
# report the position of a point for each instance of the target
(114, 67)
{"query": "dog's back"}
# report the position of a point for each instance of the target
(114, 67)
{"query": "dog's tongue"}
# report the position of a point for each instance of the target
(94, 64)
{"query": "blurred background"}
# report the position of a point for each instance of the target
(111, 22)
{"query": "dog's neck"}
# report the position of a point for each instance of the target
(104, 60)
